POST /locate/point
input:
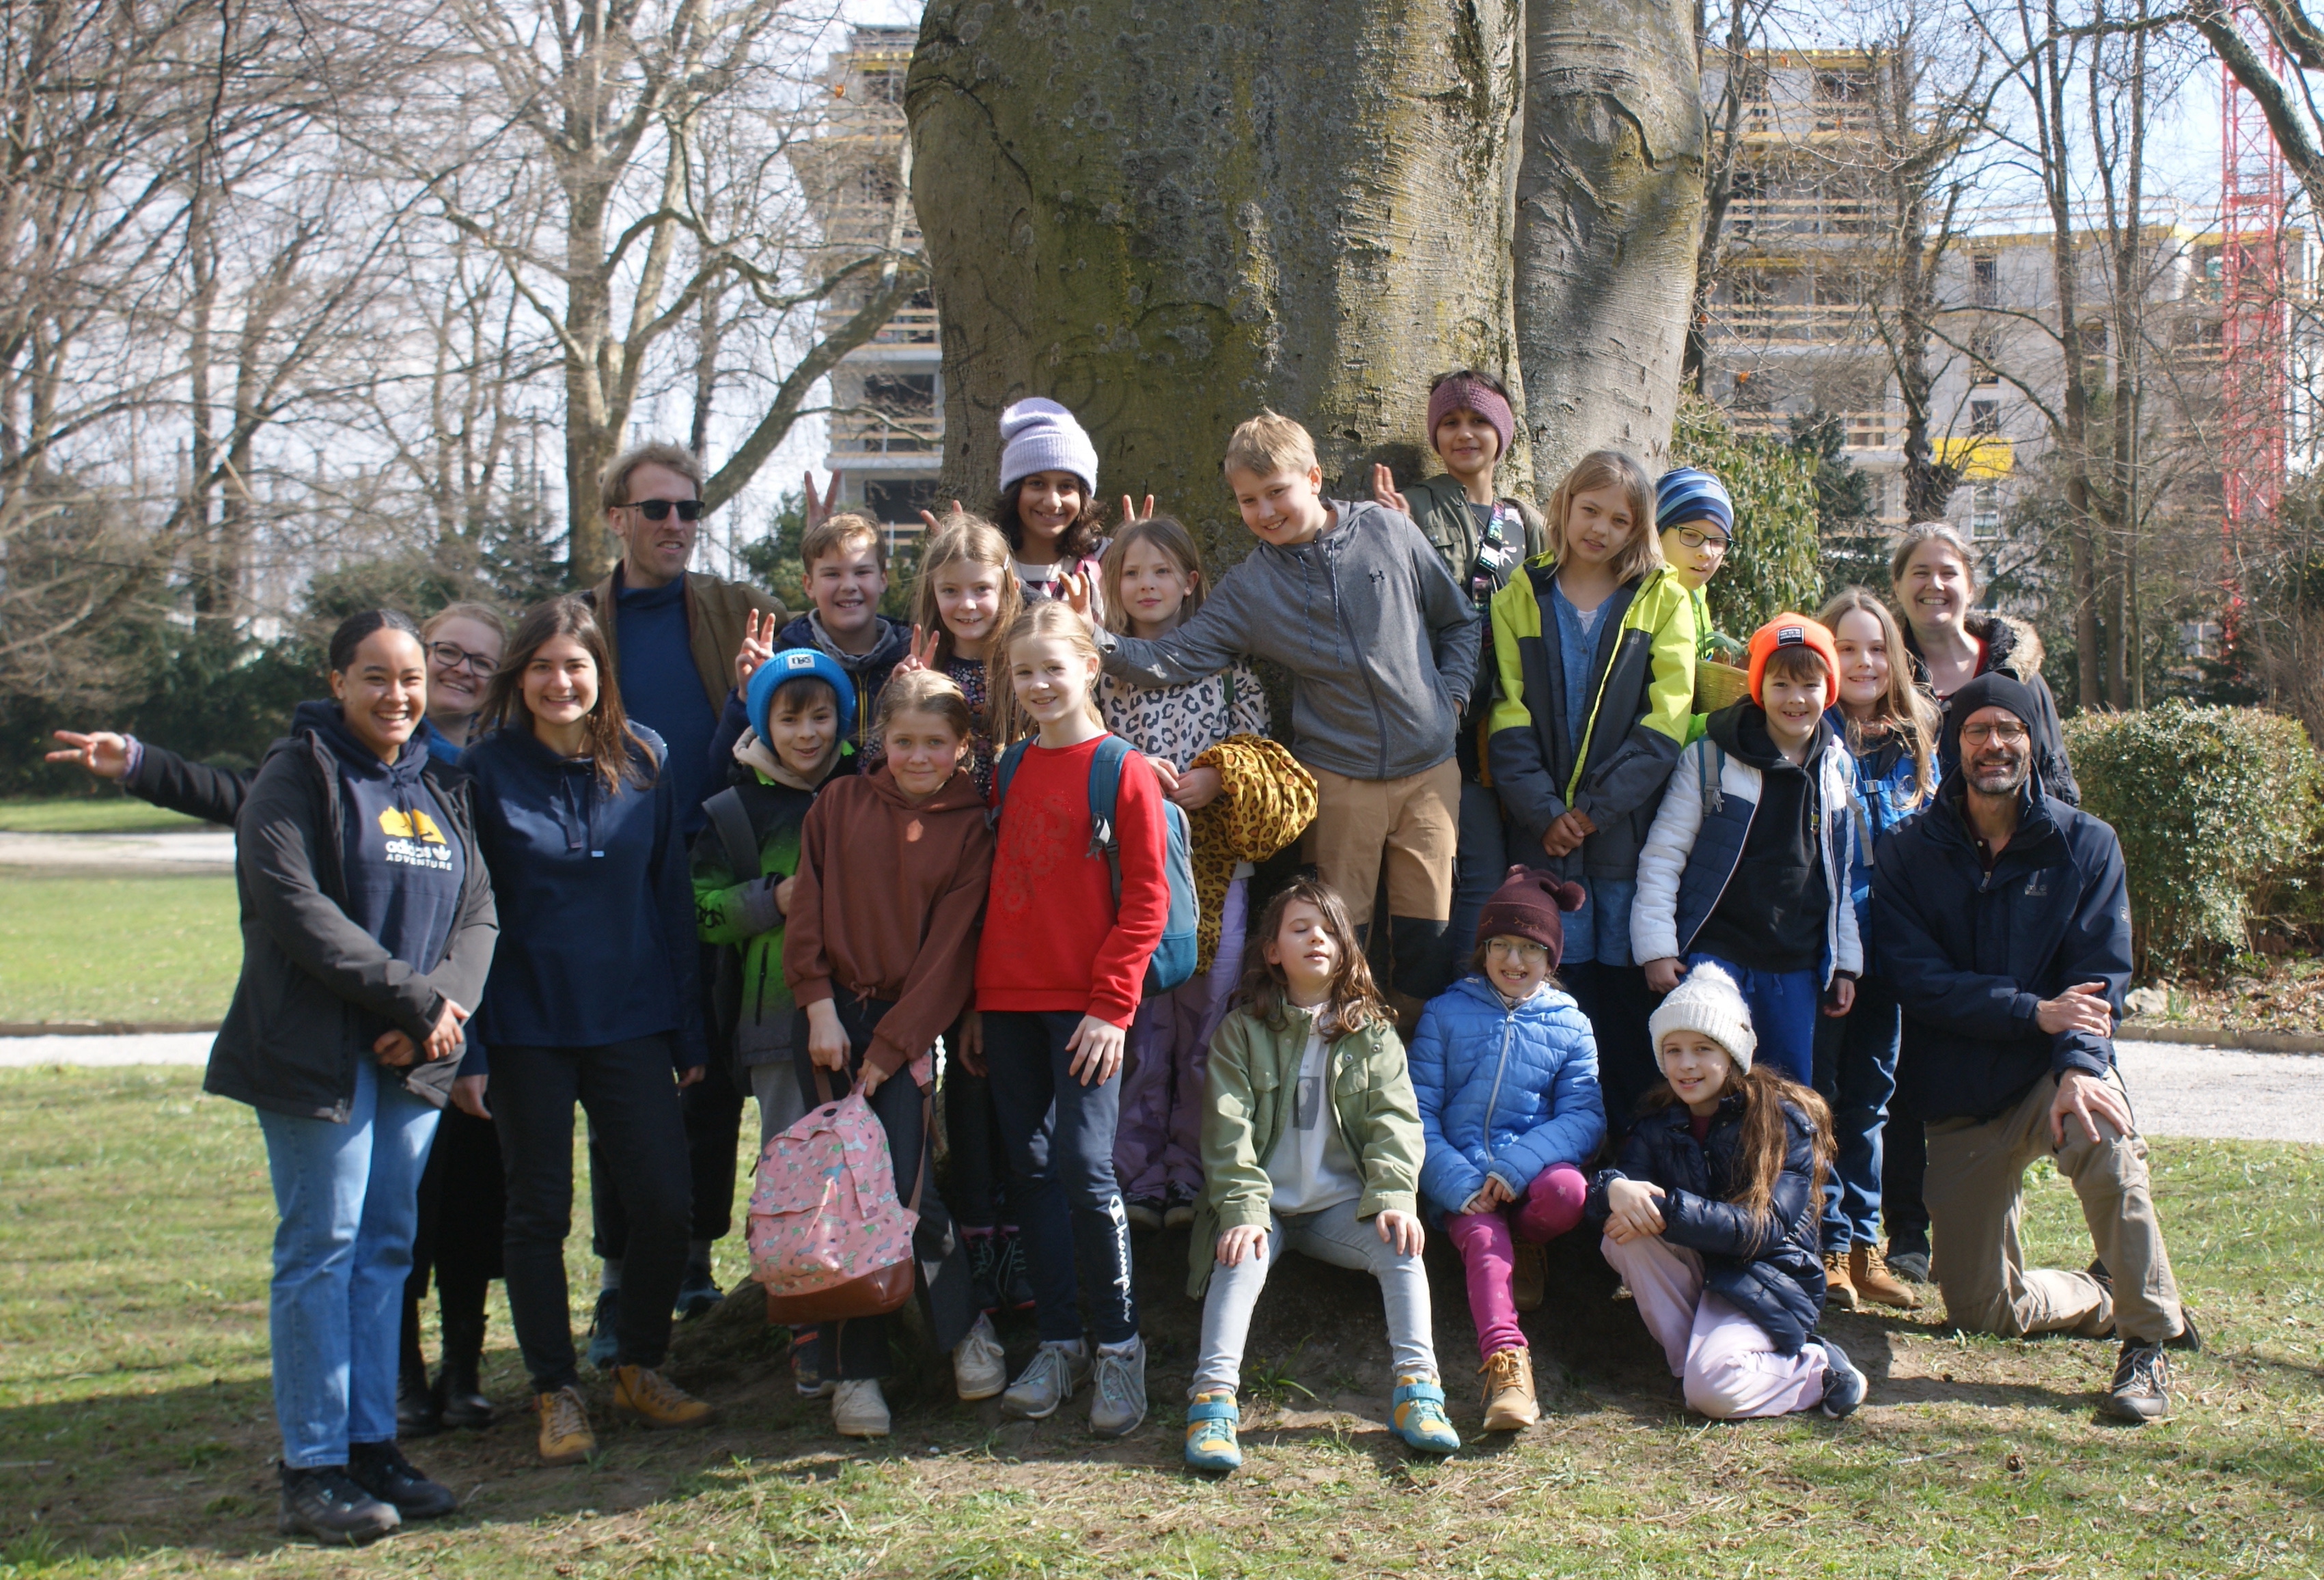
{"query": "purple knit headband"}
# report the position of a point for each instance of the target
(1455, 393)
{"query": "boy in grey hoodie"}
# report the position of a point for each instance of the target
(1382, 650)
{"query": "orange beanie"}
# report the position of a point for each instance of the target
(1789, 630)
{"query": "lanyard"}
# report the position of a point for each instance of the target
(1499, 550)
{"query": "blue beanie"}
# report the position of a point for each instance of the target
(1690, 495)
(801, 663)
(1041, 436)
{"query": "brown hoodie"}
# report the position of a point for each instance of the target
(887, 903)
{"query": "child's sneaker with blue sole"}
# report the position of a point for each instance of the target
(1210, 1423)
(1416, 1409)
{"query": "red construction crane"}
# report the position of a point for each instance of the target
(2254, 329)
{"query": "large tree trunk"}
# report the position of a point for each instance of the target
(1166, 216)
(1609, 218)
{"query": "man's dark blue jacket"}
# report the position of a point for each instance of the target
(1971, 953)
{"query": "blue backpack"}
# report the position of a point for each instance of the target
(1173, 961)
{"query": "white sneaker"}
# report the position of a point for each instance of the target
(978, 1368)
(858, 1409)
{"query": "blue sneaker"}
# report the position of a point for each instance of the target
(699, 1293)
(1210, 1423)
(808, 1375)
(1417, 1409)
(1844, 1386)
(604, 1344)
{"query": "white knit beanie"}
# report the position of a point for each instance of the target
(1706, 1000)
(1041, 436)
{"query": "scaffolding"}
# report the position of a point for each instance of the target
(2254, 314)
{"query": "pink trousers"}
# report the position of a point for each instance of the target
(1486, 1241)
(1731, 1368)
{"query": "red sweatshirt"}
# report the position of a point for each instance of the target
(1052, 939)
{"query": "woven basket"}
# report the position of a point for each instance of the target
(1718, 685)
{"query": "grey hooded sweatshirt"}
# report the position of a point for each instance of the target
(1380, 643)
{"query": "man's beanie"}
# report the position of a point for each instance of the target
(1991, 689)
(1706, 1001)
(1527, 906)
(800, 664)
(1788, 630)
(1689, 494)
(1459, 393)
(1041, 436)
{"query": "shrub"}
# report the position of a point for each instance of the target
(1774, 565)
(2214, 806)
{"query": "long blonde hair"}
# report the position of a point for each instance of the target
(1167, 534)
(1611, 469)
(1049, 619)
(965, 539)
(1902, 708)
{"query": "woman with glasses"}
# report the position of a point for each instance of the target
(464, 643)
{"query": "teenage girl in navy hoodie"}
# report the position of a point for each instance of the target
(592, 998)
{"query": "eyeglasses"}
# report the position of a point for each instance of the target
(657, 510)
(2008, 735)
(1523, 949)
(1694, 538)
(451, 655)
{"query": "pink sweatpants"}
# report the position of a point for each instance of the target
(1552, 1206)
(1731, 1368)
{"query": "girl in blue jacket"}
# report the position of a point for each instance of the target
(1505, 1068)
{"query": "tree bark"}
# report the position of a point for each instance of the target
(1167, 215)
(1609, 219)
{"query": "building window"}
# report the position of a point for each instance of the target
(1985, 417)
(1985, 358)
(1984, 511)
(1985, 279)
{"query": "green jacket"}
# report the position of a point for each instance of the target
(1440, 508)
(1253, 1080)
(1642, 702)
(753, 1003)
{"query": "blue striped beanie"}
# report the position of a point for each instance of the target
(1690, 495)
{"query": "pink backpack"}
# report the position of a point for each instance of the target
(827, 1236)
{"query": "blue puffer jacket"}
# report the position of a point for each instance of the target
(1502, 1091)
(1775, 1274)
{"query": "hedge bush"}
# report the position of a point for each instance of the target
(2214, 807)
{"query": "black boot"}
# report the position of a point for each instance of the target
(380, 1470)
(460, 1400)
(327, 1504)
(416, 1415)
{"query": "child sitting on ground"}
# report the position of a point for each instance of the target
(1712, 1216)
(1748, 861)
(1310, 1142)
(880, 950)
(1506, 1074)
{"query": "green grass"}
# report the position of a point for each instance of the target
(107, 812)
(160, 948)
(135, 1431)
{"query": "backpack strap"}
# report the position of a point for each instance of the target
(733, 826)
(1104, 797)
(1710, 763)
(1002, 773)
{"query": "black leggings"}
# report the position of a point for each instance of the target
(463, 1198)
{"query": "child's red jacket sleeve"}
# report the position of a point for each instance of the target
(1118, 975)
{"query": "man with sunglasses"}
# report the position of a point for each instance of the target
(674, 634)
(2001, 918)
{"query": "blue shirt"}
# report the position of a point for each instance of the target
(1577, 655)
(662, 691)
(1601, 929)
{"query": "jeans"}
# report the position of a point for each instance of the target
(1785, 1006)
(1486, 1241)
(860, 1343)
(347, 1201)
(1856, 1073)
(1617, 1002)
(1478, 864)
(1336, 1236)
(1060, 1138)
(630, 1096)
(1159, 1142)
(1731, 1369)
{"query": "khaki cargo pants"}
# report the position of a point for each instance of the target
(1976, 1193)
(1407, 826)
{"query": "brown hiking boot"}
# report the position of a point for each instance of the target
(1510, 1402)
(565, 1434)
(1528, 1277)
(656, 1401)
(1868, 1269)
(1839, 1289)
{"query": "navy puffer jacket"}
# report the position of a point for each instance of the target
(1502, 1091)
(1775, 1274)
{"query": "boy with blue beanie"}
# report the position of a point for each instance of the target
(1695, 519)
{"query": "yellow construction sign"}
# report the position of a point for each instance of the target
(1981, 458)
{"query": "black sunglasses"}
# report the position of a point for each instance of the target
(657, 510)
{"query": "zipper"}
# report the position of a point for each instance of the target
(1493, 1102)
(1340, 623)
(1597, 701)
(1730, 878)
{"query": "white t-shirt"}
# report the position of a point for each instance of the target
(1311, 1168)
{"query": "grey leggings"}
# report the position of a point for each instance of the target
(1336, 1236)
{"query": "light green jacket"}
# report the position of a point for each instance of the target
(1253, 1081)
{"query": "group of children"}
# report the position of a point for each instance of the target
(965, 837)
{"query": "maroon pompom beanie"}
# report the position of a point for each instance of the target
(1530, 904)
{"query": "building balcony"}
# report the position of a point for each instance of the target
(1862, 430)
(1794, 323)
(863, 441)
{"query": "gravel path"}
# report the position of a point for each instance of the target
(2177, 1090)
(126, 855)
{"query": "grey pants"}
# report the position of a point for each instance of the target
(780, 1106)
(1338, 1236)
